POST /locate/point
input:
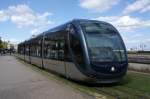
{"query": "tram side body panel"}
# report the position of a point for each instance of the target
(73, 72)
(21, 56)
(27, 58)
(17, 55)
(36, 61)
(55, 66)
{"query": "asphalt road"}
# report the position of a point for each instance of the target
(18, 81)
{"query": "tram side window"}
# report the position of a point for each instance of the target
(32, 49)
(38, 48)
(54, 46)
(21, 49)
(35, 48)
(27, 49)
(61, 45)
(47, 46)
(76, 47)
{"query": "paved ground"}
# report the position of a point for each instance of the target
(17, 81)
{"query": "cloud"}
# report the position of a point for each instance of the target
(11, 40)
(146, 9)
(35, 31)
(3, 16)
(127, 26)
(125, 23)
(138, 5)
(14, 41)
(23, 16)
(97, 5)
(136, 40)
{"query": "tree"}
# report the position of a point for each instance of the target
(1, 43)
(5, 45)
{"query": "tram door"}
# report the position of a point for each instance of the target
(54, 52)
(75, 55)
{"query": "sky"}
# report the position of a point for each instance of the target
(20, 19)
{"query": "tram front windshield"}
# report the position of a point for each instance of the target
(104, 43)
